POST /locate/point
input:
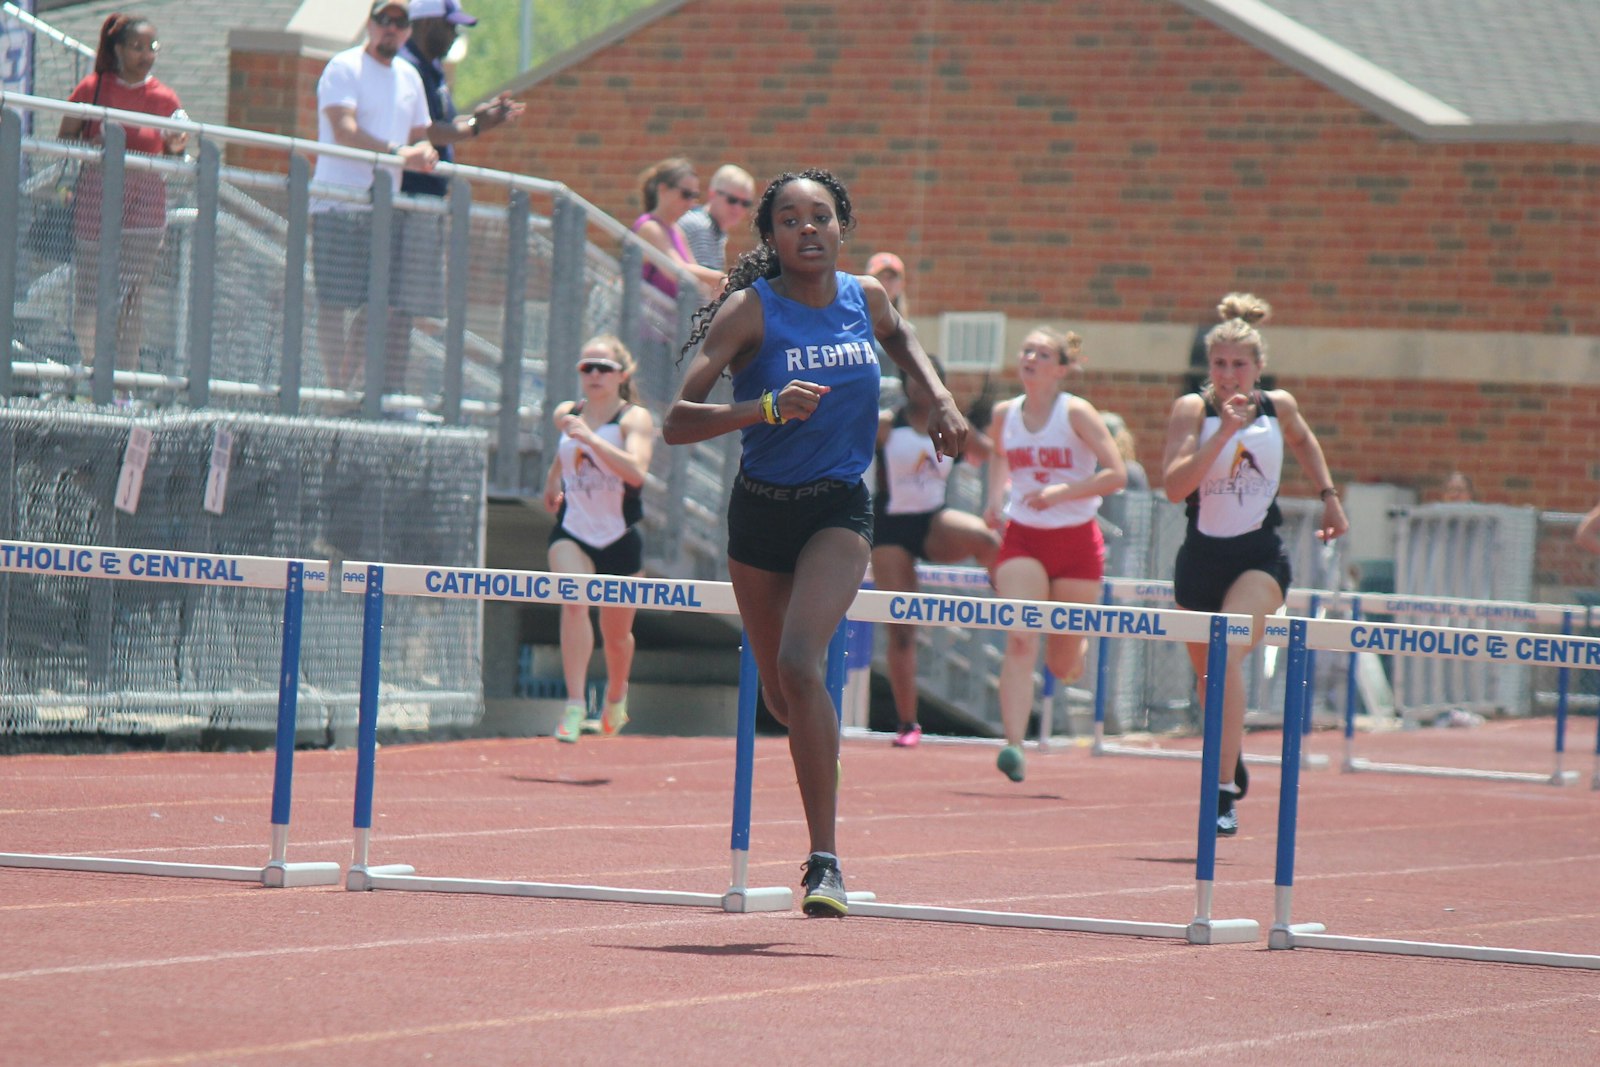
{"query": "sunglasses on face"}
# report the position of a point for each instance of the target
(594, 368)
(737, 201)
(398, 22)
(1041, 352)
(688, 194)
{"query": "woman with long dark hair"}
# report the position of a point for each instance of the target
(795, 333)
(122, 79)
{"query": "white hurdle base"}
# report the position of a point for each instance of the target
(1213, 932)
(1111, 748)
(274, 875)
(855, 733)
(1309, 935)
(401, 877)
(1356, 763)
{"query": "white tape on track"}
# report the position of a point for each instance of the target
(157, 565)
(986, 613)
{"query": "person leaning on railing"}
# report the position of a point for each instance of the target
(122, 80)
(1588, 533)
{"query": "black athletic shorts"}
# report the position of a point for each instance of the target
(1208, 566)
(624, 556)
(909, 531)
(768, 525)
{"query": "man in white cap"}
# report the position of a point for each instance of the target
(434, 25)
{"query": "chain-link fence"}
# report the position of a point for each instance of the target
(93, 656)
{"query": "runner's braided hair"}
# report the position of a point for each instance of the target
(762, 261)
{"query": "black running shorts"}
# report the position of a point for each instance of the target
(768, 525)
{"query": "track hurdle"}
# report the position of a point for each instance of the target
(1216, 631)
(1301, 636)
(1131, 590)
(856, 699)
(1456, 608)
(375, 581)
(294, 577)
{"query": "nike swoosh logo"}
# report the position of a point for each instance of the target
(852, 325)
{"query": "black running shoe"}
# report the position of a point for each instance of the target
(824, 886)
(1227, 818)
(1241, 777)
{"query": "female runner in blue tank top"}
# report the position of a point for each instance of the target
(1224, 458)
(796, 335)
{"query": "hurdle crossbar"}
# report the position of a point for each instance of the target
(1450, 610)
(374, 581)
(1300, 636)
(294, 577)
(1217, 631)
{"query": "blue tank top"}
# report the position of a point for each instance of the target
(830, 346)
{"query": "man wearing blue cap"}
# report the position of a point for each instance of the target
(434, 25)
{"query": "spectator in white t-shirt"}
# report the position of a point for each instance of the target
(366, 100)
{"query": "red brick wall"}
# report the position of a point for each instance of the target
(1108, 160)
(275, 92)
(1523, 444)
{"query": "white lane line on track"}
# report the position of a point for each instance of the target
(786, 994)
(113, 967)
(1223, 1049)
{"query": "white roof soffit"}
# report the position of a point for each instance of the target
(1417, 112)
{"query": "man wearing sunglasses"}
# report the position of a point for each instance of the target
(434, 26)
(368, 101)
(706, 227)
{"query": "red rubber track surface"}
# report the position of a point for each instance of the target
(127, 969)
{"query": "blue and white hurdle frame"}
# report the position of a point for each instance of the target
(375, 581)
(294, 577)
(1118, 591)
(1136, 590)
(1049, 617)
(1487, 646)
(1448, 609)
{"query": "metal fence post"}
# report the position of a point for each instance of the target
(294, 286)
(108, 285)
(203, 274)
(10, 216)
(378, 270)
(630, 319)
(459, 269)
(504, 477)
(568, 300)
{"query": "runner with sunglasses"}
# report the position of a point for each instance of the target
(593, 487)
(706, 227)
(668, 190)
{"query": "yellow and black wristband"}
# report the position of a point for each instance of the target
(769, 409)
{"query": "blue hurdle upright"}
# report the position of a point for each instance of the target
(1302, 636)
(293, 576)
(375, 581)
(1216, 631)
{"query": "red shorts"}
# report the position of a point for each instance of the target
(1068, 552)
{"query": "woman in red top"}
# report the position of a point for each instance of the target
(121, 80)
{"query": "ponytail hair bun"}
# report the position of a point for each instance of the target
(1247, 307)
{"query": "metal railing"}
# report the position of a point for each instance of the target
(528, 270)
